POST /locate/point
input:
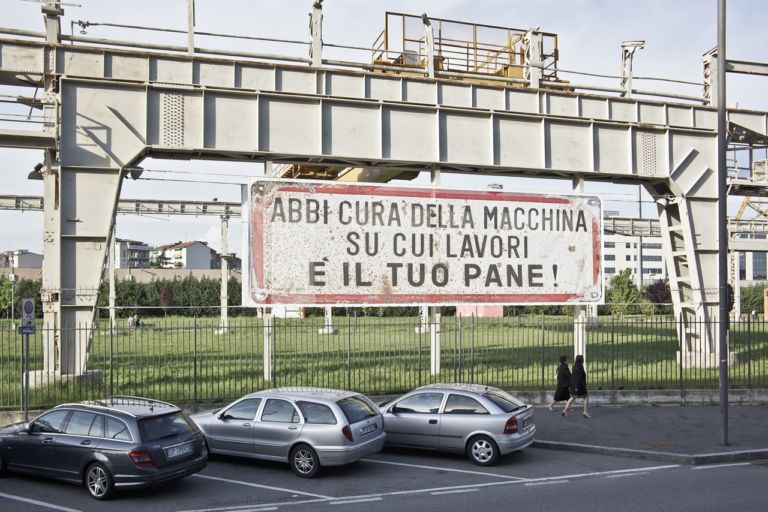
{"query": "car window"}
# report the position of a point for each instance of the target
(279, 411)
(422, 403)
(116, 429)
(460, 404)
(79, 423)
(356, 408)
(315, 413)
(50, 422)
(505, 401)
(97, 427)
(167, 425)
(243, 410)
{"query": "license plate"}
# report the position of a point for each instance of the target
(527, 422)
(369, 428)
(173, 452)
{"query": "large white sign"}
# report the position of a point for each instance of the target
(322, 243)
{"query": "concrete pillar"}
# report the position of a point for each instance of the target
(316, 33)
(579, 312)
(268, 326)
(328, 322)
(224, 321)
(532, 45)
(112, 290)
(434, 344)
(429, 37)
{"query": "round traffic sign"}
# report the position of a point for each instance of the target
(29, 307)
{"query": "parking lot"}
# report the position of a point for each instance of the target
(391, 479)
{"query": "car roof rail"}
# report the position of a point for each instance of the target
(136, 401)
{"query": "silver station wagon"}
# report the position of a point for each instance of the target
(482, 421)
(307, 427)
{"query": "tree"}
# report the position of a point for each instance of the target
(622, 293)
(5, 294)
(166, 297)
(659, 294)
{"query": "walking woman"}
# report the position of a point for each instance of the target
(563, 382)
(578, 387)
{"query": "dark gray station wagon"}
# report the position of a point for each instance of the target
(120, 442)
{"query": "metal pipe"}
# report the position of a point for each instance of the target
(722, 224)
(20, 32)
(183, 49)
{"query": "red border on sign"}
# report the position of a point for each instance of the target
(257, 247)
(416, 298)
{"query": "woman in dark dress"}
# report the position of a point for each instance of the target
(563, 382)
(578, 387)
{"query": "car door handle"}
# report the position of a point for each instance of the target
(48, 440)
(246, 424)
(86, 442)
(293, 428)
(433, 422)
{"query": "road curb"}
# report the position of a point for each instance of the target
(678, 458)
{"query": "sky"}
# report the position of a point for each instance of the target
(590, 32)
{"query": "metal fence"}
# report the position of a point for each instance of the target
(188, 360)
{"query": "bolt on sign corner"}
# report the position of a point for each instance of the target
(321, 243)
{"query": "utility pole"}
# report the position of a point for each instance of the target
(722, 224)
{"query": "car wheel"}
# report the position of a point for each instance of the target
(98, 482)
(304, 461)
(482, 451)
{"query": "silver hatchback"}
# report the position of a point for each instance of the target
(482, 421)
(307, 427)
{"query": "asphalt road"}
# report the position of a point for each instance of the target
(535, 479)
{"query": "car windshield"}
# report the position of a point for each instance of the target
(505, 401)
(356, 409)
(168, 425)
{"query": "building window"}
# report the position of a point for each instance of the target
(629, 246)
(610, 270)
(758, 265)
(610, 257)
(609, 245)
(629, 257)
(742, 266)
(651, 258)
(651, 246)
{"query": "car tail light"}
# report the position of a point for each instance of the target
(204, 449)
(347, 433)
(141, 458)
(511, 426)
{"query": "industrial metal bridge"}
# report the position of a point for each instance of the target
(109, 104)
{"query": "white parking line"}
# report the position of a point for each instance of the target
(36, 502)
(262, 509)
(347, 502)
(625, 475)
(260, 486)
(251, 506)
(439, 493)
(548, 482)
(715, 466)
(437, 468)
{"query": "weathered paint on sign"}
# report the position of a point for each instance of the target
(320, 243)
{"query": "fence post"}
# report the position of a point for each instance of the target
(680, 341)
(613, 353)
(749, 352)
(543, 363)
(349, 351)
(194, 360)
(420, 331)
(111, 349)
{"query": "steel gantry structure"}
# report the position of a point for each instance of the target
(106, 109)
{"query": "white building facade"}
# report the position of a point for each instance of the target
(193, 255)
(131, 254)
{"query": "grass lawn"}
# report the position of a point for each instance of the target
(187, 360)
